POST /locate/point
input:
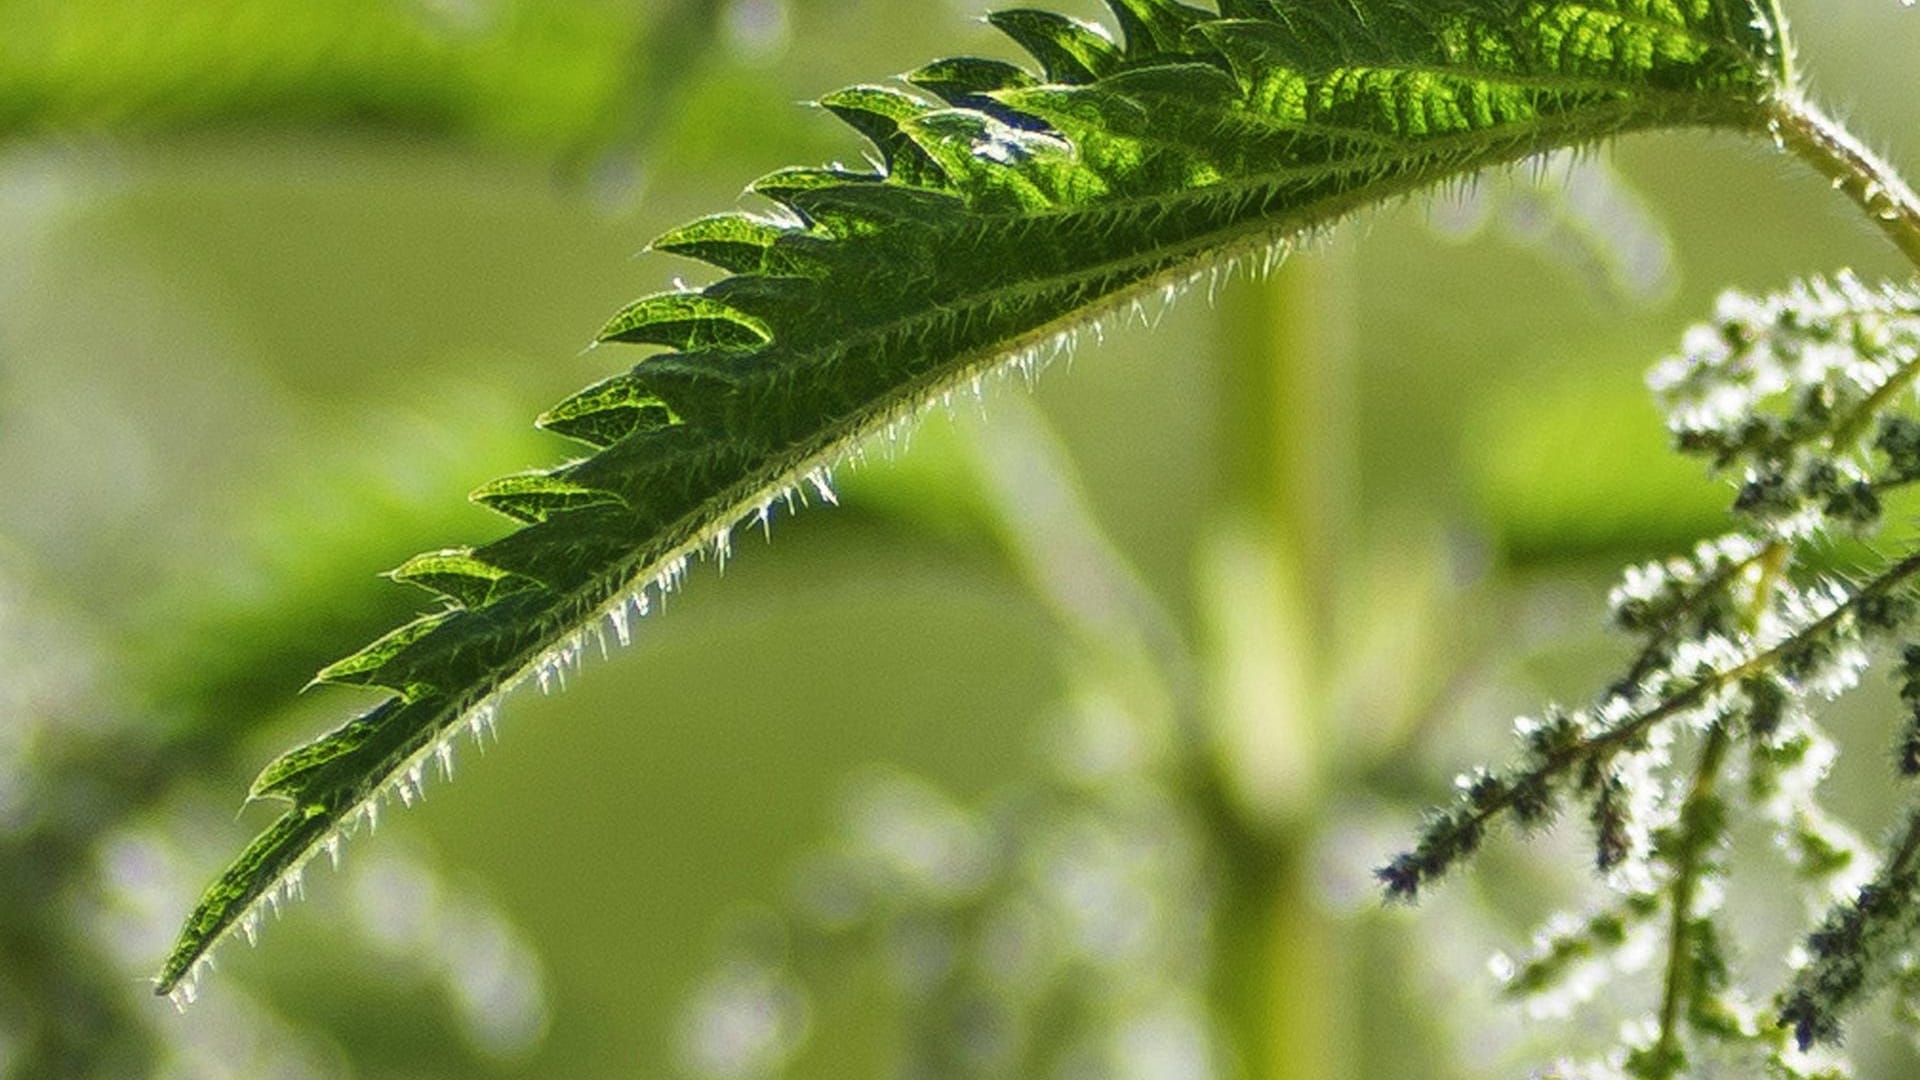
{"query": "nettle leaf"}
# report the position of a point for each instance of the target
(1006, 208)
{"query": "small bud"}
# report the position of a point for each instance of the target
(1766, 705)
(1402, 878)
(1909, 755)
(1765, 494)
(1899, 440)
(1613, 834)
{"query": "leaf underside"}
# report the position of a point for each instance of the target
(1004, 206)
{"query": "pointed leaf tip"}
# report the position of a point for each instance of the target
(783, 185)
(877, 112)
(1153, 27)
(736, 243)
(227, 901)
(537, 496)
(365, 667)
(963, 80)
(290, 775)
(609, 411)
(685, 321)
(457, 575)
(1068, 50)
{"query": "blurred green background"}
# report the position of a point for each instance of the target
(279, 282)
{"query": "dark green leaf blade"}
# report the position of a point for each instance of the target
(1014, 213)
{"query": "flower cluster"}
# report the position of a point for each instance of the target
(1803, 400)
(1789, 394)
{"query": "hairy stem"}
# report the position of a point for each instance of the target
(1866, 178)
(1783, 58)
(1650, 655)
(1677, 985)
(1634, 726)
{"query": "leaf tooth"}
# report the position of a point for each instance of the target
(868, 101)
(858, 210)
(661, 474)
(457, 575)
(607, 412)
(562, 553)
(1153, 28)
(970, 82)
(966, 80)
(877, 112)
(997, 166)
(368, 666)
(291, 774)
(537, 496)
(1069, 50)
(700, 388)
(736, 243)
(782, 185)
(685, 320)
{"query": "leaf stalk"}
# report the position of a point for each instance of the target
(1803, 130)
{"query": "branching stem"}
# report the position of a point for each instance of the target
(1633, 727)
(1649, 656)
(1677, 987)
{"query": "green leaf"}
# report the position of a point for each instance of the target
(1068, 50)
(289, 775)
(879, 113)
(1010, 210)
(966, 80)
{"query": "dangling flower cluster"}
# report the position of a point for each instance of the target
(1909, 749)
(1803, 399)
(1860, 946)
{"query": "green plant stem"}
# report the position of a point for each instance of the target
(1677, 985)
(1866, 178)
(1783, 46)
(1283, 969)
